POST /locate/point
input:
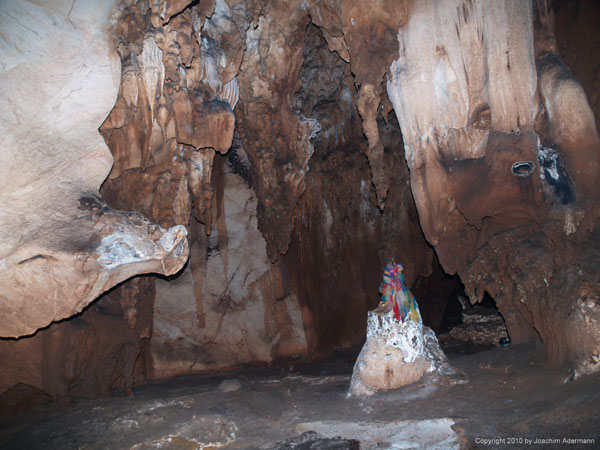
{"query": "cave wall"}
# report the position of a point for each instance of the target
(266, 130)
(62, 246)
(341, 239)
(489, 109)
(230, 305)
(239, 300)
(233, 304)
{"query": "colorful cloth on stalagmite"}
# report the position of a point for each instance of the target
(395, 295)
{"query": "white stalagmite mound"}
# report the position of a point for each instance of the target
(395, 354)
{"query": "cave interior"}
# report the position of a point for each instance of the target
(197, 225)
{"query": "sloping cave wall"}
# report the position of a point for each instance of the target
(236, 302)
(488, 110)
(265, 128)
(62, 246)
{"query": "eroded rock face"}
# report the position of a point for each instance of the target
(232, 305)
(503, 152)
(61, 246)
(80, 358)
(290, 231)
(341, 239)
(473, 118)
(276, 138)
(102, 349)
(229, 307)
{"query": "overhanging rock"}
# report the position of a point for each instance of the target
(60, 245)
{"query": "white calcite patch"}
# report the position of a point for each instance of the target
(223, 311)
(407, 337)
(121, 248)
(396, 354)
(125, 247)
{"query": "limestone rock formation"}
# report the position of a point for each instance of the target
(61, 246)
(504, 153)
(474, 113)
(229, 306)
(275, 137)
(392, 357)
(370, 33)
(300, 145)
(232, 305)
(79, 357)
(395, 354)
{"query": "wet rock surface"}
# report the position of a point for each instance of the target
(506, 395)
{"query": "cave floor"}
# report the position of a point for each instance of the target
(505, 399)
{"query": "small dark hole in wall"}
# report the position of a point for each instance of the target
(522, 168)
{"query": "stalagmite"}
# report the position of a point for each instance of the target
(399, 350)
